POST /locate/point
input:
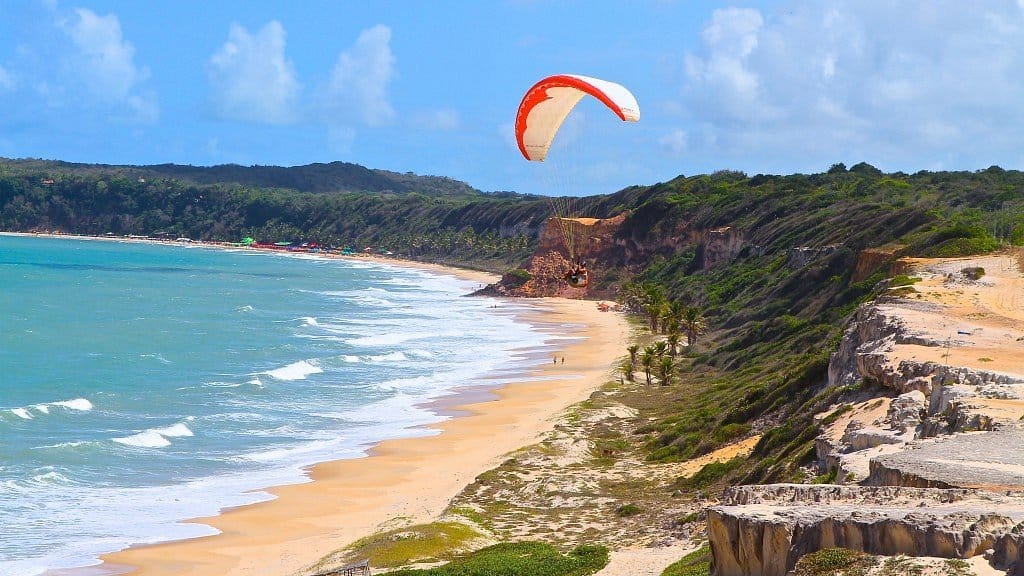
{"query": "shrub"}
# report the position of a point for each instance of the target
(696, 563)
(520, 559)
(710, 473)
(973, 272)
(517, 277)
(628, 510)
(829, 561)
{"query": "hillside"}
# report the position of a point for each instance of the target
(317, 177)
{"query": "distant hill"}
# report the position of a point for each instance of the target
(317, 177)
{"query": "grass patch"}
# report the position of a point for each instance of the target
(627, 510)
(900, 566)
(903, 280)
(710, 473)
(696, 563)
(520, 559)
(835, 561)
(403, 546)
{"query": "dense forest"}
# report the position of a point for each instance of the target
(775, 307)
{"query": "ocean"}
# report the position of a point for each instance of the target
(145, 384)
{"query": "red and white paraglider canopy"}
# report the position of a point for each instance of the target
(546, 105)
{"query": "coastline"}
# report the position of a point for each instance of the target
(401, 481)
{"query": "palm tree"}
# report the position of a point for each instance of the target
(660, 348)
(654, 304)
(626, 370)
(693, 324)
(633, 350)
(673, 342)
(654, 309)
(665, 371)
(647, 362)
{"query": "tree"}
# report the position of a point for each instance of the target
(647, 362)
(655, 308)
(665, 371)
(673, 342)
(633, 350)
(660, 348)
(693, 324)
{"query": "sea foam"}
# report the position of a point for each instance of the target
(80, 404)
(295, 371)
(144, 439)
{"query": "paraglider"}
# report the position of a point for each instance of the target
(544, 108)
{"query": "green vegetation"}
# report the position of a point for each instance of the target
(403, 546)
(973, 272)
(628, 510)
(696, 563)
(710, 473)
(520, 559)
(835, 561)
(903, 280)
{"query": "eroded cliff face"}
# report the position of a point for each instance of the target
(928, 450)
(600, 244)
(764, 530)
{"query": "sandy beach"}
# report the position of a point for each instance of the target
(403, 481)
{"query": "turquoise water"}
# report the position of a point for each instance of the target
(157, 383)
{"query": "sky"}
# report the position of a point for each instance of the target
(432, 87)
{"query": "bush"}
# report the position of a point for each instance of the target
(628, 510)
(829, 561)
(696, 563)
(517, 277)
(973, 272)
(710, 473)
(521, 559)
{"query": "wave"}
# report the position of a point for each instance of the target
(295, 371)
(392, 357)
(77, 404)
(156, 437)
(309, 321)
(80, 404)
(144, 439)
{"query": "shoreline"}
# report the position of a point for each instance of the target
(404, 481)
(399, 482)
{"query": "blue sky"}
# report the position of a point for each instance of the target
(432, 87)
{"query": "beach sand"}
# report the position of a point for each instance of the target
(404, 481)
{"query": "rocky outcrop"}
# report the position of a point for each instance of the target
(984, 460)
(871, 260)
(719, 245)
(803, 255)
(764, 530)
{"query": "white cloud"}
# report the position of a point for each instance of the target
(102, 62)
(251, 79)
(358, 87)
(442, 119)
(900, 85)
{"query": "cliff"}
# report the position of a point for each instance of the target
(927, 445)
